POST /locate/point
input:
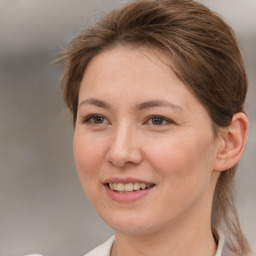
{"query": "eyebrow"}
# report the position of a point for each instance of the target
(139, 107)
(96, 102)
(158, 103)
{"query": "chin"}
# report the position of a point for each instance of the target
(130, 228)
(130, 223)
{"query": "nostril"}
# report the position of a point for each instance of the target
(124, 158)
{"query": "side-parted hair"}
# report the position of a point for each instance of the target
(204, 55)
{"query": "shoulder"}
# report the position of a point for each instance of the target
(103, 249)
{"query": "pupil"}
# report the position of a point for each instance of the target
(98, 119)
(157, 120)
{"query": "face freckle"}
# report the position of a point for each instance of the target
(127, 88)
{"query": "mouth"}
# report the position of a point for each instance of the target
(129, 187)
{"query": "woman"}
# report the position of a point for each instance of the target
(157, 90)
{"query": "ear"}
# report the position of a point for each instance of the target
(232, 144)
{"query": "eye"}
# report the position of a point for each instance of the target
(158, 120)
(95, 119)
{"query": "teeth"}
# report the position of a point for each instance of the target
(136, 186)
(120, 187)
(143, 185)
(111, 185)
(129, 187)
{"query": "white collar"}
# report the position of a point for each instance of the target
(221, 241)
(103, 249)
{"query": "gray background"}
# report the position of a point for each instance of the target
(42, 207)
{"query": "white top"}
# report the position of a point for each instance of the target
(105, 248)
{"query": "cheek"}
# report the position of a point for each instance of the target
(88, 154)
(185, 169)
(185, 161)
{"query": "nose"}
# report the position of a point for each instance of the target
(124, 149)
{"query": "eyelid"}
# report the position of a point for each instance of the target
(88, 119)
(167, 120)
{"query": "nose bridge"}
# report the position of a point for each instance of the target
(122, 135)
(123, 146)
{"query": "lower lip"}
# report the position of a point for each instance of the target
(127, 196)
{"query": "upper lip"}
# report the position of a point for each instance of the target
(125, 180)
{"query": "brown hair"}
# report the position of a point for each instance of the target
(204, 54)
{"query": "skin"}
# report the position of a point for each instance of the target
(178, 153)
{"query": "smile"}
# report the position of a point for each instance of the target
(129, 187)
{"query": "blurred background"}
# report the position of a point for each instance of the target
(42, 206)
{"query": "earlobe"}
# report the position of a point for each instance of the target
(233, 142)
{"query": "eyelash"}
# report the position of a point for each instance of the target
(91, 119)
(163, 120)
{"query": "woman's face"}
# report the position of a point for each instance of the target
(143, 144)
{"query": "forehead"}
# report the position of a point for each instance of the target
(128, 58)
(128, 65)
(128, 74)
